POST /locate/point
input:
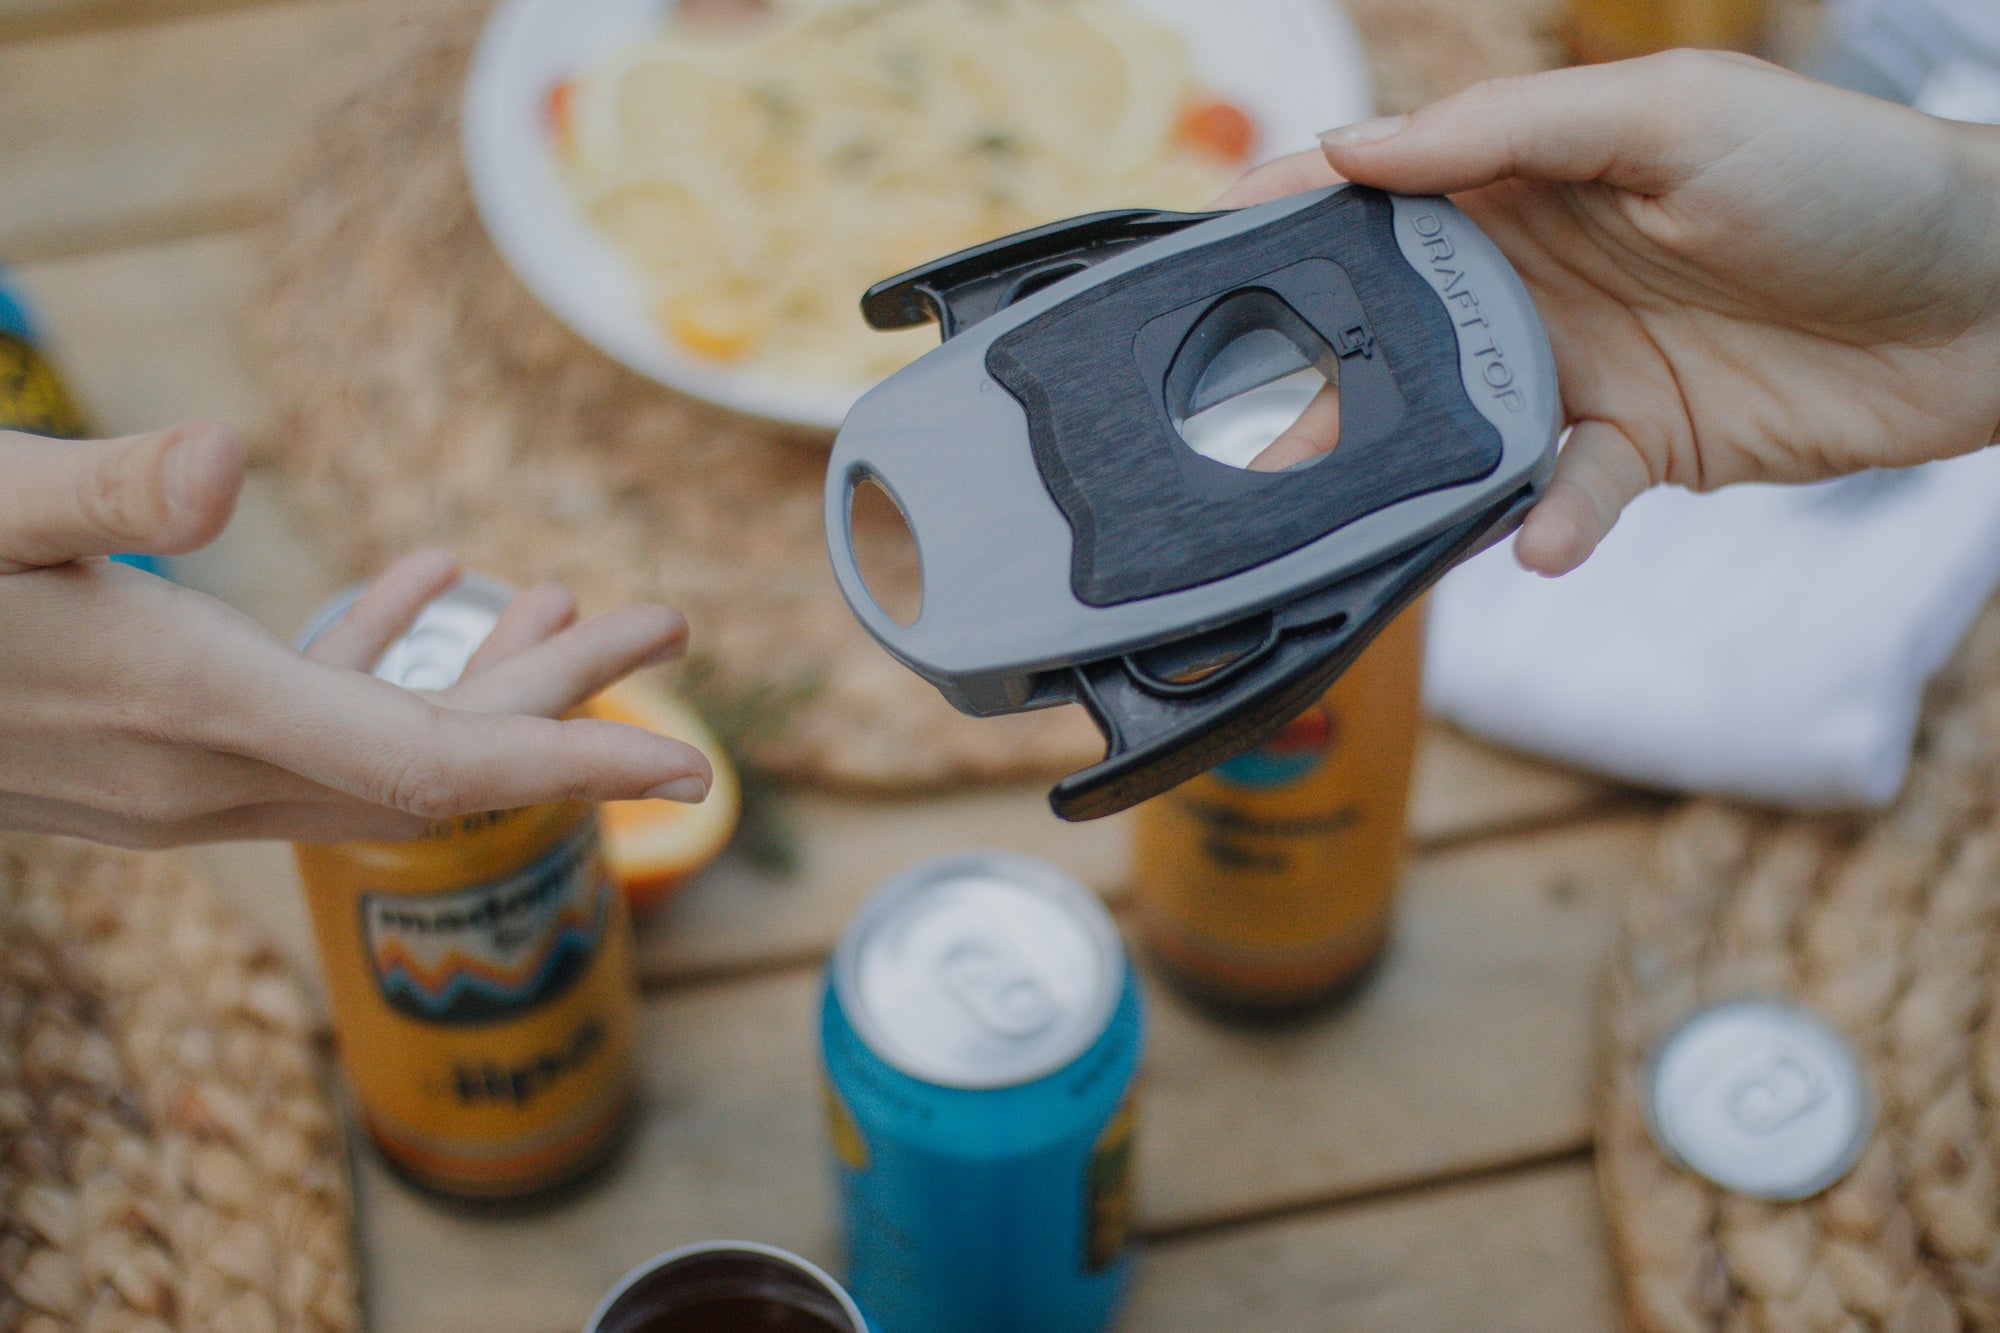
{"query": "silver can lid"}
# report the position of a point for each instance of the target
(1763, 1098)
(981, 970)
(432, 654)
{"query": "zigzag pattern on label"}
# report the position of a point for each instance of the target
(464, 988)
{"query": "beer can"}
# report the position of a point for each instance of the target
(481, 976)
(726, 1286)
(1269, 882)
(981, 1032)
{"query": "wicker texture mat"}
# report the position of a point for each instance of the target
(431, 399)
(169, 1159)
(1887, 927)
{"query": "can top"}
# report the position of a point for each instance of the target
(764, 1287)
(981, 970)
(1763, 1098)
(432, 653)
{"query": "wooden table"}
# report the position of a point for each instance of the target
(1418, 1160)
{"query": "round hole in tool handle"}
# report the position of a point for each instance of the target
(885, 550)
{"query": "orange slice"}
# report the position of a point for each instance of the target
(653, 846)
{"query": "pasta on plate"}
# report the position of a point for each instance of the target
(758, 184)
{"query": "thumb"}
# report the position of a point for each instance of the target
(158, 494)
(1599, 471)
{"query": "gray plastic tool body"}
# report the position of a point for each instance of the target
(1002, 623)
(1071, 541)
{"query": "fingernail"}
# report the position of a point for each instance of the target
(690, 790)
(1364, 131)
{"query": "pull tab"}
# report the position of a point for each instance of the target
(963, 288)
(998, 988)
(1774, 1088)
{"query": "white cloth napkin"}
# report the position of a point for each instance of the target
(1764, 642)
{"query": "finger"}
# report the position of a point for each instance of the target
(1276, 179)
(162, 494)
(392, 747)
(1316, 432)
(489, 761)
(1598, 473)
(538, 614)
(386, 610)
(553, 677)
(1589, 123)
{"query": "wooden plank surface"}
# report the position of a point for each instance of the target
(1518, 1255)
(1471, 1049)
(112, 136)
(28, 20)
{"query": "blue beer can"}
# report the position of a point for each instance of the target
(981, 1031)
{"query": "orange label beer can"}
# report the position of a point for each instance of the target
(481, 976)
(1269, 882)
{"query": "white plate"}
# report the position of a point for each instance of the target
(1294, 65)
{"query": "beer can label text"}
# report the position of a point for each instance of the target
(493, 950)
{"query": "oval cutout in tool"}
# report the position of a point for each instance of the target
(885, 551)
(1301, 409)
(1248, 373)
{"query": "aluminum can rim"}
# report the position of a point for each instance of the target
(483, 587)
(1028, 872)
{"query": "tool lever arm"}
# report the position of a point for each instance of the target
(961, 289)
(1158, 737)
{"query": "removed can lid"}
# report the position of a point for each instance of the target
(1764, 1098)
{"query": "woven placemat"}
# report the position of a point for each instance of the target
(1887, 927)
(429, 398)
(169, 1157)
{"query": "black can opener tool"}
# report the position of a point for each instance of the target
(1075, 549)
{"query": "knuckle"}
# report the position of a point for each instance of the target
(421, 785)
(414, 777)
(1497, 93)
(110, 498)
(583, 757)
